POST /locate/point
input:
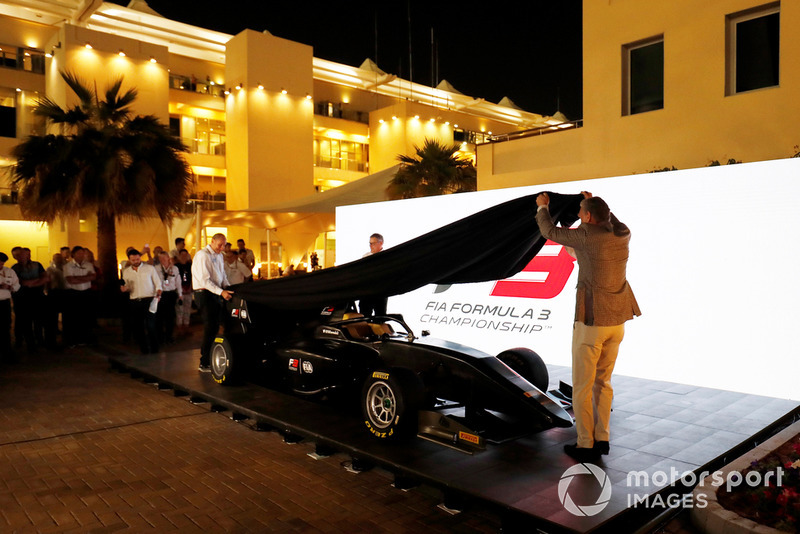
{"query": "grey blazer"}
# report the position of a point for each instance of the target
(604, 297)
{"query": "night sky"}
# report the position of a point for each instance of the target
(529, 51)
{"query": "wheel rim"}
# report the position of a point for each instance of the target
(381, 404)
(219, 360)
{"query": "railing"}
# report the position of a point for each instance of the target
(202, 147)
(192, 84)
(206, 201)
(335, 111)
(340, 163)
(542, 130)
(13, 57)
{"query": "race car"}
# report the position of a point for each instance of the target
(408, 385)
(303, 332)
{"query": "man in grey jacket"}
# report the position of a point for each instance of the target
(604, 302)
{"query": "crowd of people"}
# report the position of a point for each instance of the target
(55, 307)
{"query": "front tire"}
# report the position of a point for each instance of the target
(389, 404)
(224, 368)
(528, 365)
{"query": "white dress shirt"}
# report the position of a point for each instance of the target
(208, 271)
(237, 272)
(170, 278)
(73, 268)
(142, 282)
(9, 278)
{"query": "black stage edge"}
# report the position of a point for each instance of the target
(655, 427)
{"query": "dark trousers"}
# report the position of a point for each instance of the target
(143, 325)
(28, 313)
(77, 317)
(165, 316)
(210, 306)
(5, 330)
(53, 304)
(372, 306)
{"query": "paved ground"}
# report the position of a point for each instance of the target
(84, 448)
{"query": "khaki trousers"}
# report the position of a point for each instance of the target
(594, 353)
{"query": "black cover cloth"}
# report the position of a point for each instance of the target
(493, 244)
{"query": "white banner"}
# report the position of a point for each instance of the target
(713, 264)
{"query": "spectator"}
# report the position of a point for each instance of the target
(171, 291)
(8, 284)
(77, 312)
(209, 282)
(180, 244)
(235, 270)
(29, 302)
(184, 308)
(66, 253)
(142, 284)
(56, 286)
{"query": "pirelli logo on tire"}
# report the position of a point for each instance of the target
(218, 340)
(380, 376)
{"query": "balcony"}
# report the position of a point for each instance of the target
(18, 58)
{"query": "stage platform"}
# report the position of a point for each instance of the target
(656, 427)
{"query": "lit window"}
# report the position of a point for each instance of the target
(643, 76)
(753, 49)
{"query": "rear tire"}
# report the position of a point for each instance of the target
(224, 368)
(389, 403)
(528, 365)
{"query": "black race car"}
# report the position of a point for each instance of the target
(443, 391)
(408, 385)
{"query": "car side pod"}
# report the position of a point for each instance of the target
(439, 428)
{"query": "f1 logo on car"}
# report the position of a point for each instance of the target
(543, 278)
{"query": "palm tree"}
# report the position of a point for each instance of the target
(437, 169)
(104, 161)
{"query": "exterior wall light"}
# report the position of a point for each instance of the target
(49, 54)
(416, 117)
(238, 86)
(260, 87)
(227, 91)
(381, 121)
(88, 46)
(153, 60)
(308, 97)
(19, 90)
(121, 53)
(394, 117)
(284, 91)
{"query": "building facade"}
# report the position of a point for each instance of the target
(669, 84)
(265, 121)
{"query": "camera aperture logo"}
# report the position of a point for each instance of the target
(582, 470)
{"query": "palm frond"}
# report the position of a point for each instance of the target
(85, 94)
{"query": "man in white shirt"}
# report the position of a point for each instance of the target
(9, 283)
(209, 282)
(249, 259)
(77, 314)
(142, 284)
(236, 271)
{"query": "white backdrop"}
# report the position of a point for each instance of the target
(713, 263)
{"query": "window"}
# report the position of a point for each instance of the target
(8, 112)
(753, 49)
(202, 136)
(339, 154)
(643, 76)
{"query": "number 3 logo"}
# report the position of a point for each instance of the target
(543, 278)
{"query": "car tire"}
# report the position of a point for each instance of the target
(224, 368)
(390, 400)
(528, 365)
